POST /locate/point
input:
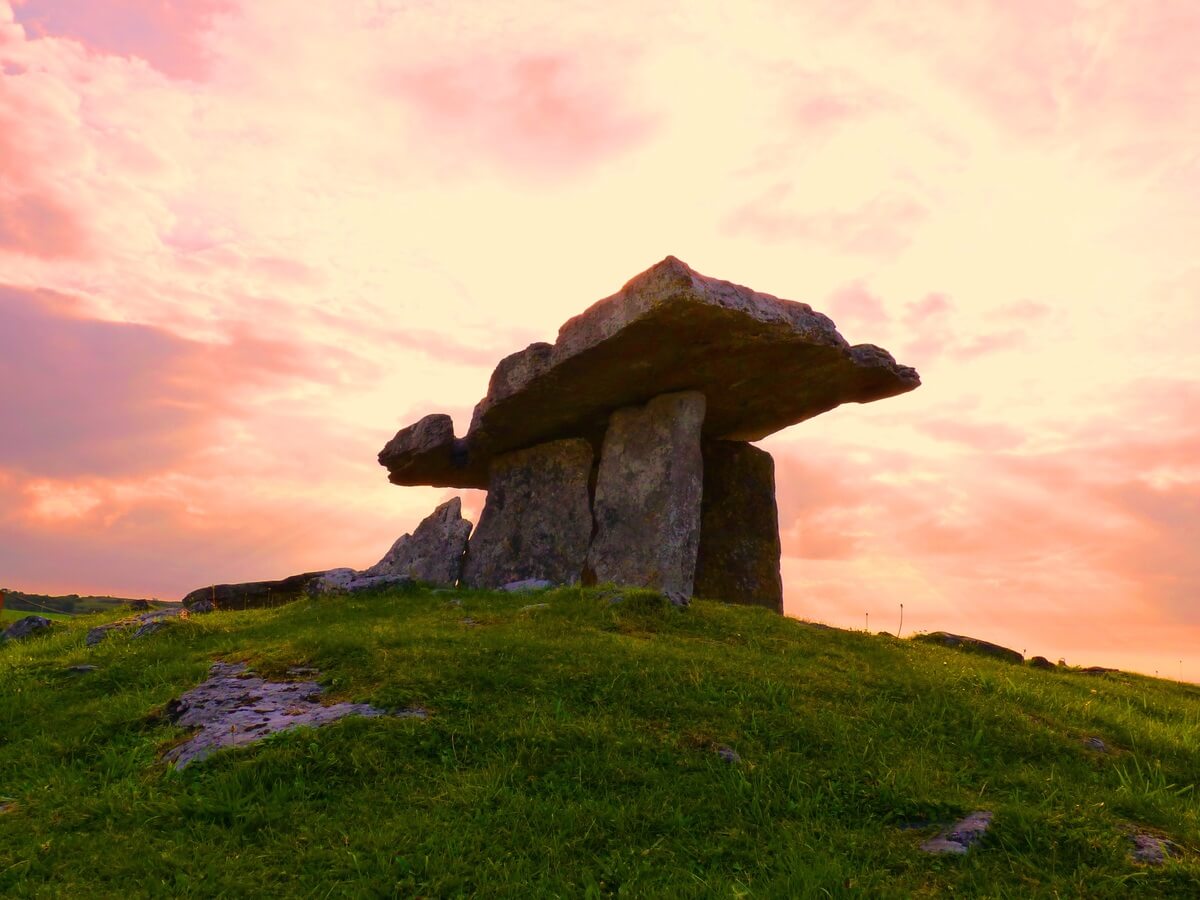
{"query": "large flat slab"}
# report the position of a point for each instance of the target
(761, 362)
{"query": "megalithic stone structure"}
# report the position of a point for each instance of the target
(665, 381)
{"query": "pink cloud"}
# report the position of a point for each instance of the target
(977, 436)
(853, 304)
(534, 113)
(113, 398)
(168, 34)
(881, 227)
(38, 224)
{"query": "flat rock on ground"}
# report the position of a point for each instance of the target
(350, 581)
(433, 553)
(253, 594)
(537, 520)
(762, 362)
(959, 837)
(141, 625)
(648, 493)
(232, 708)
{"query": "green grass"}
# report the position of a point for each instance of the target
(571, 752)
(8, 616)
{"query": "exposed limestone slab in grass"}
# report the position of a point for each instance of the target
(144, 623)
(26, 627)
(233, 708)
(960, 836)
(1149, 848)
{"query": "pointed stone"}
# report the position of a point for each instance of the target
(647, 506)
(537, 520)
(433, 553)
(738, 560)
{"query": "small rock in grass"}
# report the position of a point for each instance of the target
(1150, 849)
(534, 606)
(678, 599)
(81, 670)
(27, 627)
(1094, 743)
(961, 835)
(145, 623)
(1040, 662)
(728, 754)
(150, 628)
(468, 621)
(527, 584)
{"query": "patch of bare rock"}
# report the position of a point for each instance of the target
(25, 627)
(961, 836)
(233, 708)
(141, 625)
(1149, 848)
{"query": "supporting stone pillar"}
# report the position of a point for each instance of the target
(738, 561)
(647, 506)
(537, 520)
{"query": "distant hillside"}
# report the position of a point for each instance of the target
(69, 604)
(587, 743)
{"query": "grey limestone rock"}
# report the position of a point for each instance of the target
(648, 492)
(529, 584)
(959, 838)
(232, 708)
(27, 627)
(738, 560)
(351, 581)
(537, 520)
(433, 553)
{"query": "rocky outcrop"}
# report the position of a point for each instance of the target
(433, 553)
(349, 581)
(667, 330)
(973, 645)
(738, 560)
(253, 594)
(141, 625)
(537, 521)
(648, 490)
(26, 627)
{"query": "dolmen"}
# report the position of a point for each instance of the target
(621, 452)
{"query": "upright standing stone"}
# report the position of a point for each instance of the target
(537, 520)
(739, 553)
(433, 553)
(648, 495)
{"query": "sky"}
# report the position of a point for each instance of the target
(242, 243)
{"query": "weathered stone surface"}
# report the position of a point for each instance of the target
(1040, 662)
(529, 584)
(27, 627)
(738, 560)
(959, 838)
(350, 581)
(232, 708)
(974, 645)
(144, 623)
(647, 506)
(420, 453)
(253, 594)
(433, 553)
(1149, 848)
(763, 363)
(537, 520)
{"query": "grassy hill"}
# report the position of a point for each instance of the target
(65, 604)
(571, 751)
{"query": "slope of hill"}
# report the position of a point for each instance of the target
(66, 604)
(582, 748)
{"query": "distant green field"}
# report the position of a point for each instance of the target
(572, 751)
(8, 616)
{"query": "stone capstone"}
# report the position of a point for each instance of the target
(537, 520)
(253, 594)
(738, 560)
(27, 627)
(232, 708)
(648, 490)
(433, 553)
(762, 362)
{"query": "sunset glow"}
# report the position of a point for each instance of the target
(242, 243)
